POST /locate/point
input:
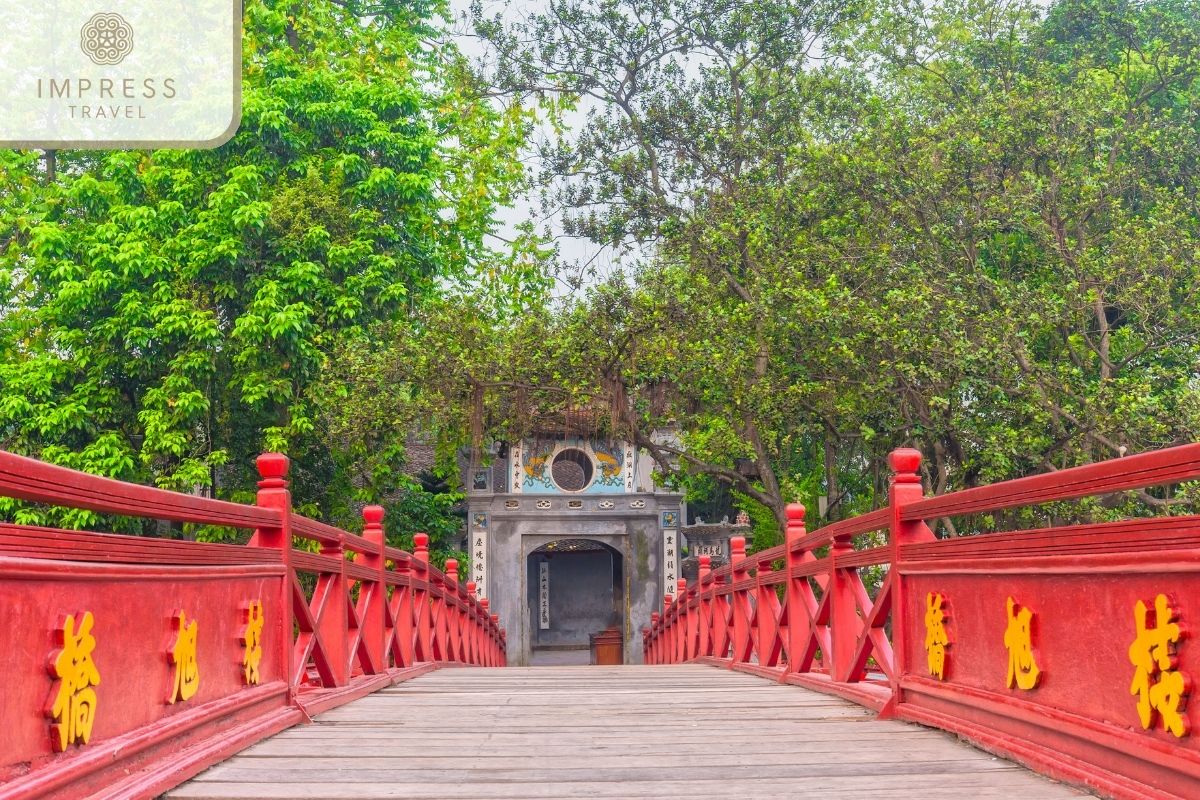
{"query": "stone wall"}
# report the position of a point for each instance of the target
(518, 524)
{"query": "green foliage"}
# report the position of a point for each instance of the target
(971, 228)
(166, 315)
(417, 510)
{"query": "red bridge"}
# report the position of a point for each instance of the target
(134, 665)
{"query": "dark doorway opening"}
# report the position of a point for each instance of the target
(576, 589)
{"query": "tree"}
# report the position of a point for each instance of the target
(171, 311)
(986, 250)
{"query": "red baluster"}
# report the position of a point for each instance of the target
(681, 622)
(489, 655)
(652, 656)
(450, 610)
(402, 615)
(704, 640)
(905, 487)
(721, 631)
(335, 615)
(471, 637)
(800, 601)
(422, 599)
(273, 493)
(372, 615)
(668, 645)
(844, 622)
(766, 617)
(741, 611)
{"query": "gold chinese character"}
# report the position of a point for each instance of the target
(936, 637)
(183, 656)
(74, 707)
(1018, 639)
(1153, 653)
(252, 640)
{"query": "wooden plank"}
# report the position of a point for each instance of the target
(628, 732)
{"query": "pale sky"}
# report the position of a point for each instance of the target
(576, 254)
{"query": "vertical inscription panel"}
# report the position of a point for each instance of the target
(478, 539)
(544, 595)
(670, 559)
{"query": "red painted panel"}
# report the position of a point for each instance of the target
(132, 608)
(1083, 627)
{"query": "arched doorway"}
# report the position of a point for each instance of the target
(575, 589)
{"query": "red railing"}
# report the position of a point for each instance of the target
(1065, 648)
(132, 663)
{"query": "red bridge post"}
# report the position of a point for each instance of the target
(450, 610)
(681, 621)
(743, 642)
(489, 644)
(471, 637)
(421, 599)
(273, 493)
(402, 614)
(705, 607)
(801, 647)
(333, 621)
(845, 624)
(372, 599)
(905, 488)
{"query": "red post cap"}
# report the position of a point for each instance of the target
(738, 545)
(372, 515)
(273, 469)
(795, 513)
(905, 462)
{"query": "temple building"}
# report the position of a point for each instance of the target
(569, 537)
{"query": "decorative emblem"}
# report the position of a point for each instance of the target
(512, 503)
(479, 519)
(543, 504)
(605, 505)
(637, 503)
(1152, 653)
(574, 504)
(936, 637)
(106, 38)
(251, 640)
(669, 518)
(73, 708)
(183, 655)
(1023, 670)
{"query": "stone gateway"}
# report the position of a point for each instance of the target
(570, 537)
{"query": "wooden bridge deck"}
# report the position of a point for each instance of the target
(570, 732)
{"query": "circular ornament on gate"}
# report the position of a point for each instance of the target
(572, 469)
(106, 38)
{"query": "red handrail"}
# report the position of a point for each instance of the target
(257, 637)
(1026, 642)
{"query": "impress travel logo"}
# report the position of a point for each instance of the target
(128, 74)
(106, 39)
